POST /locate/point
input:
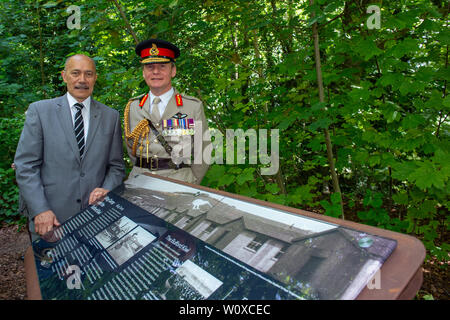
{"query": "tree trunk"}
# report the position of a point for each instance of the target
(41, 53)
(330, 156)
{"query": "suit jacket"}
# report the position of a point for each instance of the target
(192, 108)
(49, 171)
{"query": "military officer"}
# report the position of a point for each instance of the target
(164, 129)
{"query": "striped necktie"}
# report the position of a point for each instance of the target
(79, 128)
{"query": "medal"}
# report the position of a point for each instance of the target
(191, 126)
(164, 127)
(169, 127)
(181, 126)
(177, 127)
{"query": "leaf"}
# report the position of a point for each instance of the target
(316, 144)
(361, 155)
(412, 121)
(286, 123)
(331, 7)
(163, 25)
(226, 180)
(427, 175)
(359, 94)
(50, 4)
(400, 198)
(406, 87)
(320, 124)
(216, 172)
(302, 195)
(373, 199)
(435, 102)
(446, 101)
(336, 198)
(318, 106)
(374, 160)
(313, 20)
(429, 207)
(333, 209)
(392, 79)
(275, 198)
(248, 191)
(246, 175)
(272, 188)
(367, 49)
(407, 46)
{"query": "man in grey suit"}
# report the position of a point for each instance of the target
(70, 152)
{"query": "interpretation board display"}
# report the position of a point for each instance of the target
(163, 240)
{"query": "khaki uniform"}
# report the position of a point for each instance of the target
(142, 143)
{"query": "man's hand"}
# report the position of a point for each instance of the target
(97, 195)
(45, 221)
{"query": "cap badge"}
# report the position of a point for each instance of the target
(154, 50)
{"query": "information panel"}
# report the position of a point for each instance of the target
(162, 240)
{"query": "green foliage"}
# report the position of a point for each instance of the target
(375, 214)
(10, 129)
(252, 64)
(9, 197)
(334, 208)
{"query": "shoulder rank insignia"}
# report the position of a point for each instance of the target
(179, 100)
(144, 98)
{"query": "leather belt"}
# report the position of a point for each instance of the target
(154, 164)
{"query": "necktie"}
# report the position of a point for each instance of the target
(79, 128)
(155, 109)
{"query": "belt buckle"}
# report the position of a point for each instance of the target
(151, 164)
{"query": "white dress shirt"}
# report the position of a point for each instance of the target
(84, 112)
(165, 98)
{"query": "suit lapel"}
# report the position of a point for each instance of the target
(94, 120)
(65, 119)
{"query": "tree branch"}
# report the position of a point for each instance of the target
(127, 23)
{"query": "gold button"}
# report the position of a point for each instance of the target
(155, 141)
(157, 125)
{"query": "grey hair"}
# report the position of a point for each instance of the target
(79, 55)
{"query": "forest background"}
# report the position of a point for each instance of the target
(364, 135)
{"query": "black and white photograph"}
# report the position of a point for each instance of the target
(115, 231)
(130, 245)
(203, 282)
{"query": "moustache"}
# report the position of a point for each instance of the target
(81, 86)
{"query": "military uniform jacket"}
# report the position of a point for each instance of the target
(142, 143)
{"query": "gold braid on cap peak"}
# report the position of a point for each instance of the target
(156, 59)
(139, 133)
